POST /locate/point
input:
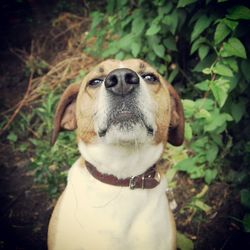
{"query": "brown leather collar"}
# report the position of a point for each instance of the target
(146, 180)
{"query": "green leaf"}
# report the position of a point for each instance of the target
(221, 32)
(97, 18)
(120, 56)
(233, 47)
(183, 242)
(183, 3)
(246, 222)
(125, 41)
(197, 43)
(173, 74)
(220, 89)
(230, 24)
(204, 85)
(245, 66)
(138, 25)
(203, 51)
(171, 21)
(201, 24)
(12, 137)
(189, 107)
(207, 71)
(170, 43)
(185, 165)
(202, 113)
(222, 70)
(210, 175)
(188, 131)
(232, 63)
(153, 29)
(135, 49)
(216, 121)
(239, 12)
(245, 197)
(238, 110)
(205, 63)
(212, 153)
(159, 50)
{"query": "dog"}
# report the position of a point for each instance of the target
(124, 113)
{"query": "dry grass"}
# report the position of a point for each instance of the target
(54, 60)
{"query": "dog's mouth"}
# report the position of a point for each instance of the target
(125, 120)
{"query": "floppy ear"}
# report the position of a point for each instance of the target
(65, 117)
(176, 128)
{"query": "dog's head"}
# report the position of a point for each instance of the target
(122, 102)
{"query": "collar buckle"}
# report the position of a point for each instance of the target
(132, 182)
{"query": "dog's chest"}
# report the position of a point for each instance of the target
(94, 215)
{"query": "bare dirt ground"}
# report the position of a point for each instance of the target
(25, 207)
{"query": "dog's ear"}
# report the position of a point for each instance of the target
(65, 117)
(176, 129)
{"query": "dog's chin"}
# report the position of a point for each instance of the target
(127, 133)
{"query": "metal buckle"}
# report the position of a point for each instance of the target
(132, 182)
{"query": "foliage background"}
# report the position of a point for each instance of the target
(202, 48)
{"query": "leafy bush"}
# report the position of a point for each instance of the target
(50, 164)
(199, 46)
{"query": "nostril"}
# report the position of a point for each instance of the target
(131, 78)
(111, 81)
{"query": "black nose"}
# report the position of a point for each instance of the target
(122, 81)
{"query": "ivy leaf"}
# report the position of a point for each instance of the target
(183, 3)
(204, 85)
(189, 107)
(238, 110)
(234, 47)
(216, 121)
(210, 175)
(153, 29)
(221, 32)
(201, 24)
(170, 43)
(159, 50)
(203, 51)
(212, 153)
(171, 21)
(12, 137)
(135, 49)
(245, 66)
(138, 25)
(188, 131)
(230, 24)
(197, 43)
(239, 12)
(97, 18)
(222, 70)
(183, 242)
(185, 165)
(220, 89)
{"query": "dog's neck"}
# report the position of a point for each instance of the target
(121, 161)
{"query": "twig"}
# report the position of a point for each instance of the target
(19, 106)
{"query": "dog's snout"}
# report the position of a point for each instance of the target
(122, 81)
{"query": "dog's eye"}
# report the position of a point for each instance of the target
(150, 77)
(95, 82)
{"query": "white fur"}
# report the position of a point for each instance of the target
(97, 216)
(121, 161)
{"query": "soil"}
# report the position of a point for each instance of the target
(26, 207)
